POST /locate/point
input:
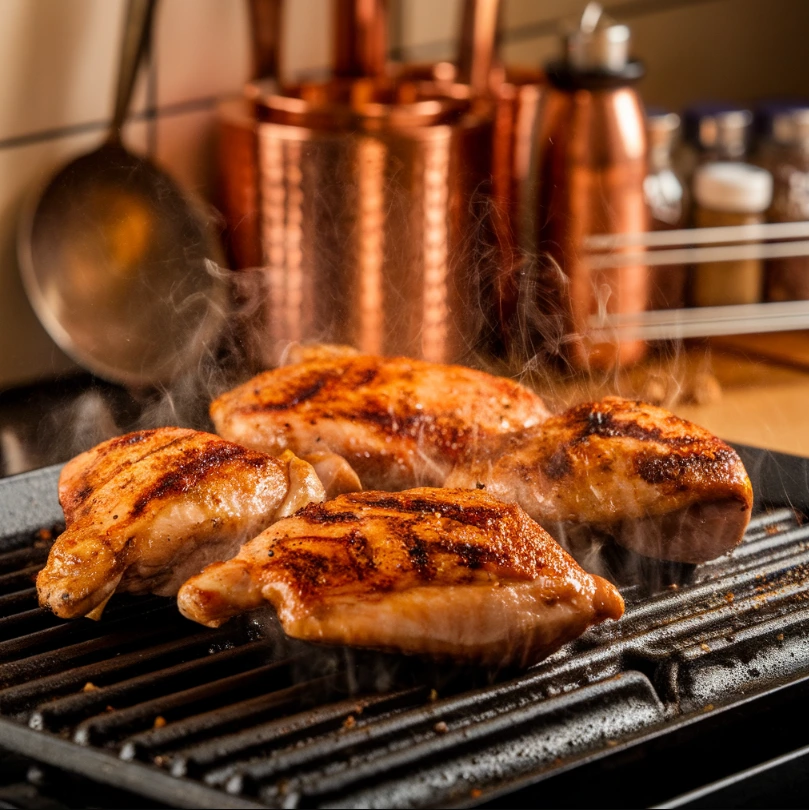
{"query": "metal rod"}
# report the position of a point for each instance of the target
(699, 236)
(360, 38)
(478, 42)
(266, 17)
(676, 324)
(729, 253)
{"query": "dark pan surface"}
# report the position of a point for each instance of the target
(240, 717)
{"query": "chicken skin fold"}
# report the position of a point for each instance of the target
(657, 484)
(438, 572)
(147, 510)
(398, 422)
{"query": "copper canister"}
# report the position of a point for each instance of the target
(367, 196)
(592, 156)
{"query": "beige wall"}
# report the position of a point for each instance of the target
(58, 62)
(740, 50)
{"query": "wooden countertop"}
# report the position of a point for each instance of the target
(762, 398)
(773, 413)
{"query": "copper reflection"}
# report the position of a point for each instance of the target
(371, 159)
(435, 306)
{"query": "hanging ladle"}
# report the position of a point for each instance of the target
(119, 266)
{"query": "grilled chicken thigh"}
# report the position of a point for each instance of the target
(398, 422)
(85, 474)
(659, 485)
(147, 510)
(449, 573)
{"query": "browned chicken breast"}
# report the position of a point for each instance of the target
(147, 510)
(448, 573)
(398, 422)
(659, 485)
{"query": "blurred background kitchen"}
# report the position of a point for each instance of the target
(715, 119)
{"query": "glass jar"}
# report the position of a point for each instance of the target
(787, 157)
(665, 195)
(727, 194)
(713, 132)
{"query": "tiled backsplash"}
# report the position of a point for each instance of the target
(58, 62)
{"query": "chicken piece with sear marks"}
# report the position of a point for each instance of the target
(147, 510)
(398, 422)
(440, 572)
(659, 485)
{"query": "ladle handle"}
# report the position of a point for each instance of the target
(137, 36)
(480, 31)
(266, 20)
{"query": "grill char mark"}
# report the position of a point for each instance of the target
(690, 455)
(87, 486)
(309, 386)
(590, 420)
(656, 469)
(195, 464)
(480, 517)
(403, 518)
(297, 395)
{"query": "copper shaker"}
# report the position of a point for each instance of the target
(592, 161)
(367, 201)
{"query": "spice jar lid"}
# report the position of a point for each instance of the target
(791, 127)
(716, 125)
(736, 187)
(770, 110)
(662, 127)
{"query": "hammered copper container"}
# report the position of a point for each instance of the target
(372, 202)
(514, 93)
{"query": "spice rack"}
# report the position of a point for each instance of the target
(688, 247)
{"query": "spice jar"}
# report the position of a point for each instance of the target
(713, 132)
(665, 196)
(729, 194)
(787, 279)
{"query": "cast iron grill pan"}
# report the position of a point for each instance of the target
(699, 685)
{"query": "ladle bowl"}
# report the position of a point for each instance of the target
(118, 263)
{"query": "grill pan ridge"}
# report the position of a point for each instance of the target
(239, 717)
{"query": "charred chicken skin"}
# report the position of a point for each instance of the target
(147, 510)
(657, 484)
(440, 572)
(398, 422)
